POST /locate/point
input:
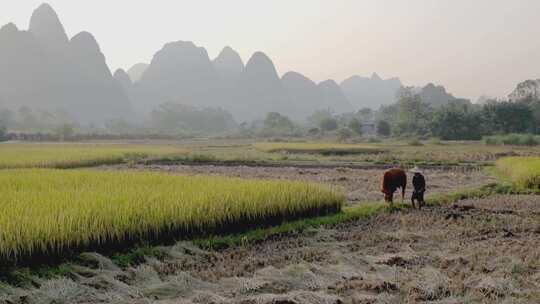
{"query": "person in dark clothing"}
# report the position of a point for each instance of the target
(419, 187)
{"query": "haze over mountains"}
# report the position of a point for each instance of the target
(370, 92)
(42, 68)
(136, 71)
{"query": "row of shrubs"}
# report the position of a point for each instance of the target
(513, 140)
(494, 140)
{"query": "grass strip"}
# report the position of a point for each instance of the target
(348, 214)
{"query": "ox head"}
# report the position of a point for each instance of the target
(388, 196)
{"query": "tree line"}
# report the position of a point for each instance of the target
(410, 116)
(459, 119)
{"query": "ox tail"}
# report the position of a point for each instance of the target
(404, 186)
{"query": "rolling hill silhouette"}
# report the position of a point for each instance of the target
(43, 68)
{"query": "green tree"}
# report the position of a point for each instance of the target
(355, 125)
(3, 133)
(383, 128)
(245, 129)
(366, 114)
(328, 124)
(507, 117)
(533, 104)
(7, 118)
(456, 121)
(344, 134)
(174, 118)
(277, 124)
(388, 113)
(119, 126)
(65, 131)
(313, 132)
(318, 116)
(26, 118)
(413, 115)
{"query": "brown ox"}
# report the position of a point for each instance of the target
(393, 179)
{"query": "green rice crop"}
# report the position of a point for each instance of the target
(523, 172)
(48, 211)
(318, 148)
(75, 155)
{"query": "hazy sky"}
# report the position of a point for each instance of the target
(472, 47)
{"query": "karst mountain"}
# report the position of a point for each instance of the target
(43, 68)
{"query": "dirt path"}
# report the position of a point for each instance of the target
(360, 184)
(482, 251)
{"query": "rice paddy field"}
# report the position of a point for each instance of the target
(24, 155)
(383, 153)
(318, 148)
(524, 172)
(49, 212)
(243, 221)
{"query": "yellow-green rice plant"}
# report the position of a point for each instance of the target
(48, 211)
(75, 155)
(318, 148)
(523, 172)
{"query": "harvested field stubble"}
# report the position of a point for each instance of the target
(361, 185)
(50, 212)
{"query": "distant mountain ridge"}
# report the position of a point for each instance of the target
(180, 72)
(47, 28)
(435, 95)
(43, 68)
(364, 92)
(136, 71)
(229, 63)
